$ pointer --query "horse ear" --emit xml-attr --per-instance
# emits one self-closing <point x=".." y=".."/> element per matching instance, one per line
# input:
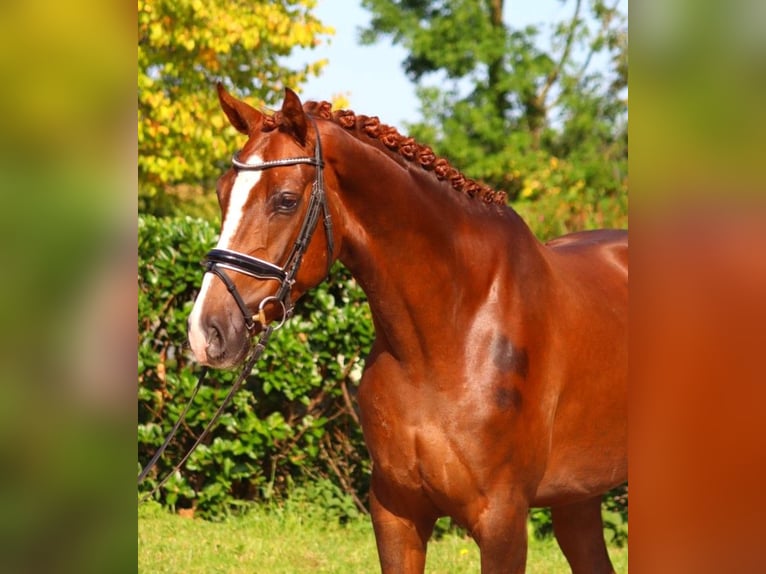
<point x="242" y="116"/>
<point x="293" y="116"/>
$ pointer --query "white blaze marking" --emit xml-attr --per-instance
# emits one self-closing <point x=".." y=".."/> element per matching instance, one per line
<point x="196" y="336"/>
<point x="240" y="192"/>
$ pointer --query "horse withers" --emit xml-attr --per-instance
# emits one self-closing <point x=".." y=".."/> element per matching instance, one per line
<point x="497" y="378"/>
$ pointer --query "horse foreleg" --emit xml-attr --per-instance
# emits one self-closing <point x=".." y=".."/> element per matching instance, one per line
<point x="579" y="531"/>
<point x="401" y="536"/>
<point x="501" y="533"/>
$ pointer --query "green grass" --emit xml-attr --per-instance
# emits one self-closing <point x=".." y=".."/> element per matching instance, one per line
<point x="282" y="541"/>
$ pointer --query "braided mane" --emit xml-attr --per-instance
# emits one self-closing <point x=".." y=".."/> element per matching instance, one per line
<point x="406" y="147"/>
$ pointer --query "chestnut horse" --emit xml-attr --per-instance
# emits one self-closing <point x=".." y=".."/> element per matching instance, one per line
<point x="497" y="379"/>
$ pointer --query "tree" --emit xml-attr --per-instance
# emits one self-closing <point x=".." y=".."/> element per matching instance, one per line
<point x="184" y="46"/>
<point x="542" y="124"/>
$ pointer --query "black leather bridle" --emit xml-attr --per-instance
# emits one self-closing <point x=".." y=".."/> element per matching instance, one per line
<point x="219" y="259"/>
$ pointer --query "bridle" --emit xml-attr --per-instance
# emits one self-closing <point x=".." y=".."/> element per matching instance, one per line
<point x="219" y="259"/>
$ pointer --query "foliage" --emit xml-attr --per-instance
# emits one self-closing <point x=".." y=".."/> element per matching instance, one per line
<point x="552" y="215"/>
<point x="292" y="421"/>
<point x="542" y="124"/>
<point x="184" y="46"/>
<point x="616" y="515"/>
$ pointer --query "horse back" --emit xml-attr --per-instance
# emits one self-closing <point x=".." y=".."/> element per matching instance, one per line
<point x="607" y="245"/>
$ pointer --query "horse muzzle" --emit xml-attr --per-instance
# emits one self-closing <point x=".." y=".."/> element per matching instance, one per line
<point x="218" y="340"/>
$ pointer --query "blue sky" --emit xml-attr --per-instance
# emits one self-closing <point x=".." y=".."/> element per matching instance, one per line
<point x="371" y="77"/>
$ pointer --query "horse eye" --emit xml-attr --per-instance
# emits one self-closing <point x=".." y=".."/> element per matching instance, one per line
<point x="286" y="202"/>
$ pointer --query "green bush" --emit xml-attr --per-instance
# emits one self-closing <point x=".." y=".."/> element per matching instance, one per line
<point x="291" y="429"/>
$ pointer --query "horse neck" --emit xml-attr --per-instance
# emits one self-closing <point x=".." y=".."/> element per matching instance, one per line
<point x="427" y="256"/>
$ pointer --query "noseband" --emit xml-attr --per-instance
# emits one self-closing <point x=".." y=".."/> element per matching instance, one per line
<point x="219" y="259"/>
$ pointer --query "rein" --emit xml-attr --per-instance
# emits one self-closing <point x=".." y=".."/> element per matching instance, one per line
<point x="247" y="368"/>
<point x="219" y="259"/>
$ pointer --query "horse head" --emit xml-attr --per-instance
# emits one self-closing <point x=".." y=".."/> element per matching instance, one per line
<point x="267" y="255"/>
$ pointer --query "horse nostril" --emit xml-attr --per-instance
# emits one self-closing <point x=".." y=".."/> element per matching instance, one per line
<point x="215" y="342"/>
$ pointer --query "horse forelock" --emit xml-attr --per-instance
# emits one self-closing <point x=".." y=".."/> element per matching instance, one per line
<point x="406" y="147"/>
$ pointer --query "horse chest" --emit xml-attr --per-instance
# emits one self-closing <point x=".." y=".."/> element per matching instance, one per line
<point x="425" y="459"/>
<point x="416" y="449"/>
